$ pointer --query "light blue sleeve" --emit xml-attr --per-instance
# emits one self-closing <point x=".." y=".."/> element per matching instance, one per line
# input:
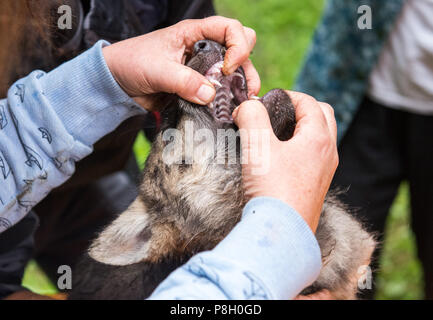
<point x="270" y="254"/>
<point x="48" y="122"/>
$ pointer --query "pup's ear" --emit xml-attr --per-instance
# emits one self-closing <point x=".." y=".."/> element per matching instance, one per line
<point x="126" y="240"/>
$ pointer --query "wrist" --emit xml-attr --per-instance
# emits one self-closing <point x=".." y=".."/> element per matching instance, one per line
<point x="107" y="53"/>
<point x="305" y="205"/>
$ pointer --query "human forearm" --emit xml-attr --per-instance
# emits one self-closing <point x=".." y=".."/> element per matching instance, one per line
<point x="270" y="254"/>
<point x="50" y="121"/>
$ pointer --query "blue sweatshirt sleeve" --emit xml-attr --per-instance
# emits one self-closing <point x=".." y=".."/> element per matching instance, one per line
<point x="51" y="120"/>
<point x="270" y="254"/>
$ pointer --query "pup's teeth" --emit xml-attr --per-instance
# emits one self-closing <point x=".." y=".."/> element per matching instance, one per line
<point x="219" y="65"/>
<point x="216" y="83"/>
<point x="215" y="69"/>
<point x="255" y="97"/>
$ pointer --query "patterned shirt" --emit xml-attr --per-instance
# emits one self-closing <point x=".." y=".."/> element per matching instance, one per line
<point x="337" y="67"/>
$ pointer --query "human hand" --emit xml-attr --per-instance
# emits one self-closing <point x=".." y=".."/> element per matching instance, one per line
<point x="153" y="63"/>
<point x="300" y="170"/>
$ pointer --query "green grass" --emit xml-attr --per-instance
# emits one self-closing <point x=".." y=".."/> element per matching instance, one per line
<point x="141" y="149"/>
<point x="36" y="280"/>
<point x="284" y="29"/>
<point x="401" y="275"/>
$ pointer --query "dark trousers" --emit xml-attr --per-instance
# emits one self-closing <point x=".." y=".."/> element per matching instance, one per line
<point x="382" y="147"/>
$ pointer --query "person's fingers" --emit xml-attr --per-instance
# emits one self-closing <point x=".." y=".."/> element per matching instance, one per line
<point x="238" y="51"/>
<point x="309" y="114"/>
<point x="238" y="39"/>
<point x="253" y="79"/>
<point x="305" y="106"/>
<point x="250" y="34"/>
<point x="253" y="121"/>
<point x="185" y="82"/>
<point x="328" y="111"/>
<point x="257" y="138"/>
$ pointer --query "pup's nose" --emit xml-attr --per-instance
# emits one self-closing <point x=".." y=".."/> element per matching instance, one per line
<point x="203" y="46"/>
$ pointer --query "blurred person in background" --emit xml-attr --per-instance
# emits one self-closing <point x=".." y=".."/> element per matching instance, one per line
<point x="380" y="82"/>
<point x="59" y="229"/>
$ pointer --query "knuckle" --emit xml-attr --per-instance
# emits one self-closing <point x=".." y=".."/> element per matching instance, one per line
<point x="303" y="98"/>
<point x="184" y="23"/>
<point x="323" y="141"/>
<point x="235" y="23"/>
<point x="328" y="108"/>
<point x="328" y="148"/>
<point x="251" y="35"/>
<point x="310" y="98"/>
<point x="215" y="18"/>
<point x="307" y="99"/>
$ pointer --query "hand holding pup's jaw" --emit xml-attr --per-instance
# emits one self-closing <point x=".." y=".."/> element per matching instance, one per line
<point x="153" y="63"/>
<point x="301" y="169"/>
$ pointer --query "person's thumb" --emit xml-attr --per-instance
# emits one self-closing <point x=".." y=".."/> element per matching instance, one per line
<point x="251" y="114"/>
<point x="256" y="135"/>
<point x="186" y="83"/>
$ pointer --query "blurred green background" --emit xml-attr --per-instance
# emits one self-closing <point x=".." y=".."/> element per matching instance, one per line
<point x="284" y="29"/>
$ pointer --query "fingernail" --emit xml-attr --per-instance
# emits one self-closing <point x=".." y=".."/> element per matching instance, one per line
<point x="235" y="112"/>
<point x="205" y="93"/>
<point x="226" y="68"/>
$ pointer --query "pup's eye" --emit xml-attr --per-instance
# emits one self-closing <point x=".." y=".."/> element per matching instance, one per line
<point x="223" y="51"/>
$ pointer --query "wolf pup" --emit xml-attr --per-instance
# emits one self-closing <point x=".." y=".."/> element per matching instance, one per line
<point x="191" y="196"/>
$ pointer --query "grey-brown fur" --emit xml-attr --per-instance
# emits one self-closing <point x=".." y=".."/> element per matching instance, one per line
<point x="190" y="205"/>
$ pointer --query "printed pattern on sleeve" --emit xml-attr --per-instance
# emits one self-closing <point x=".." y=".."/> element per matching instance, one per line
<point x="51" y="120"/>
